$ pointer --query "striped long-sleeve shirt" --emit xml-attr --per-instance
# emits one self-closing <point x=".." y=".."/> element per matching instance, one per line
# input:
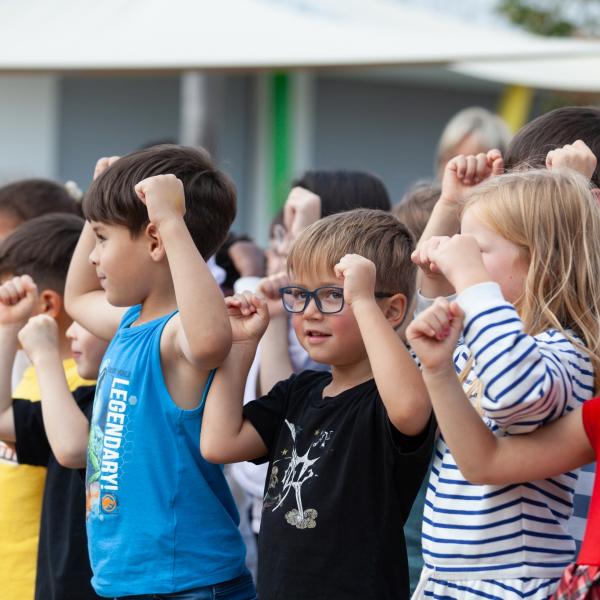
<point x="510" y="531"/>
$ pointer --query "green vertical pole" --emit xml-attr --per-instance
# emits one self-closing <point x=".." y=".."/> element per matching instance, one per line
<point x="281" y="140"/>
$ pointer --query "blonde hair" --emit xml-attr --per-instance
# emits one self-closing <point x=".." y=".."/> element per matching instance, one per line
<point x="555" y="220"/>
<point x="374" y="234"/>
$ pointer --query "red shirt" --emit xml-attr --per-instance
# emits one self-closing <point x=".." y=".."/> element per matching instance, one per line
<point x="590" y="549"/>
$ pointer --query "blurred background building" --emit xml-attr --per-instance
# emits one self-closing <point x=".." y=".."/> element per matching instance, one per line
<point x="271" y="87"/>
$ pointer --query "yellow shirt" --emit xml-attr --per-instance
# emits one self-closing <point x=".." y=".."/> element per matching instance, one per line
<point x="21" y="489"/>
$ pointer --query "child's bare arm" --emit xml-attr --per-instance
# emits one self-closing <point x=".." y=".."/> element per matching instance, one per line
<point x="226" y="436"/>
<point x="302" y="208"/>
<point x="202" y="330"/>
<point x="275" y="363"/>
<point x="67" y="428"/>
<point x="460" y="175"/>
<point x="18" y="298"/>
<point x="398" y="379"/>
<point x="482" y="457"/>
<point x="85" y="300"/>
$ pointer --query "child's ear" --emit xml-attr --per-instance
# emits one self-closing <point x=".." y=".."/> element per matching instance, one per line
<point x="156" y="247"/>
<point x="50" y="303"/>
<point x="394" y="309"/>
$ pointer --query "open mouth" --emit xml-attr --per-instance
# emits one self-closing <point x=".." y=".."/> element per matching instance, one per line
<point x="313" y="334"/>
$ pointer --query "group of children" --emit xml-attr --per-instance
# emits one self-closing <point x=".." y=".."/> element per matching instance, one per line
<point x="480" y="345"/>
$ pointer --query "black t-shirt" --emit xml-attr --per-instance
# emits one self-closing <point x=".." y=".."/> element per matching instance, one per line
<point x="63" y="565"/>
<point x="339" y="488"/>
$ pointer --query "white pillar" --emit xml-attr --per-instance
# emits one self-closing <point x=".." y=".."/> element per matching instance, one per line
<point x="200" y="109"/>
<point x="303" y="111"/>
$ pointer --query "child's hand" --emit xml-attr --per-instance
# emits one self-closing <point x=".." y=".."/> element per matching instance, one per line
<point x="434" y="333"/>
<point x="163" y="196"/>
<point x="422" y="255"/>
<point x="248" y="315"/>
<point x="463" y="172"/>
<point x="268" y="287"/>
<point x="576" y="156"/>
<point x="39" y="337"/>
<point x="302" y="208"/>
<point x="358" y="273"/>
<point x="247" y="258"/>
<point x="103" y="163"/>
<point x="18" y="298"/>
<point x="458" y="259"/>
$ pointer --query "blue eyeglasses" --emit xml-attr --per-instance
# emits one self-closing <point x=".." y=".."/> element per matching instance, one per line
<point x="328" y="299"/>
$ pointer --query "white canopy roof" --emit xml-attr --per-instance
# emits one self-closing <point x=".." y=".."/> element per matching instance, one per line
<point x="578" y="74"/>
<point x="173" y="35"/>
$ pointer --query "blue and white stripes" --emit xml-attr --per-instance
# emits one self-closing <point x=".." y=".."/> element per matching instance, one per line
<point x="477" y="532"/>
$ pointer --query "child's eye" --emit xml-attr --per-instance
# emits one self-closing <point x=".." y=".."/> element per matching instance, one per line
<point x="298" y="294"/>
<point x="334" y="295"/>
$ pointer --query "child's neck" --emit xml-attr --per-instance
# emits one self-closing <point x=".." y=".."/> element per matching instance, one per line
<point x="159" y="302"/>
<point x="345" y="377"/>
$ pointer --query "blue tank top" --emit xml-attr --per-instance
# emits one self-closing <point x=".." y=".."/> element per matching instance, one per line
<point x="160" y="518"/>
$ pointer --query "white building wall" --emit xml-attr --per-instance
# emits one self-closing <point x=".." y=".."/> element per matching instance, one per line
<point x="29" y="108"/>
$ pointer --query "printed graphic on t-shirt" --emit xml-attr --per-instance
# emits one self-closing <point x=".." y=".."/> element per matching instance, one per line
<point x="291" y="471"/>
<point x="7" y="455"/>
<point x="108" y="443"/>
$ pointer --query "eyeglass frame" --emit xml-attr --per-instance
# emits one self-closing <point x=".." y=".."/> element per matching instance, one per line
<point x="312" y="295"/>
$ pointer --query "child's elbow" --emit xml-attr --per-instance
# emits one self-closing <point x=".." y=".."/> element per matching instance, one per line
<point x="411" y="422"/>
<point x="71" y="458"/>
<point x="475" y="476"/>
<point x="211" y="451"/>
<point x="213" y="352"/>
<point x="482" y="472"/>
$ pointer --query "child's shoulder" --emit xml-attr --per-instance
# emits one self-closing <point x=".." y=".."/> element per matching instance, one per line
<point x="566" y="344"/>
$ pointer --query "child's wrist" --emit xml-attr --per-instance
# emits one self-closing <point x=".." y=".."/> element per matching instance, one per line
<point x="45" y="356"/>
<point x="449" y="202"/>
<point x="441" y="372"/>
<point x="11" y="330"/>
<point x="363" y="303"/>
<point x="467" y="279"/>
<point x="172" y="223"/>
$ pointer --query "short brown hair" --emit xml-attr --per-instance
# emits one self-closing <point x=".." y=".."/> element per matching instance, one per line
<point x="42" y="248"/>
<point x="30" y="198"/>
<point x="416" y="205"/>
<point x="374" y="234"/>
<point x="210" y="197"/>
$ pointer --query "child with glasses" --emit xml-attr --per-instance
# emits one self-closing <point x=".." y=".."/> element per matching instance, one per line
<point x="347" y="449"/>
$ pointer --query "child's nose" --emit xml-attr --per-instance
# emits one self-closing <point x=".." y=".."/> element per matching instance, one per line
<point x="93" y="258"/>
<point x="311" y="311"/>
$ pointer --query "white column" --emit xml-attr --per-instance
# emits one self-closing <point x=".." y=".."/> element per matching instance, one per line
<point x="200" y="109"/>
<point x="303" y="126"/>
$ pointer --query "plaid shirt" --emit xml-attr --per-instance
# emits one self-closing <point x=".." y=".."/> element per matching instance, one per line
<point x="579" y="582"/>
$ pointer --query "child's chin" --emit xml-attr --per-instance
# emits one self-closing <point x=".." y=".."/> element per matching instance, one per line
<point x="84" y="372"/>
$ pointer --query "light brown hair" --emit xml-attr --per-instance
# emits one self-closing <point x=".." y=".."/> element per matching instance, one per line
<point x="374" y="234"/>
